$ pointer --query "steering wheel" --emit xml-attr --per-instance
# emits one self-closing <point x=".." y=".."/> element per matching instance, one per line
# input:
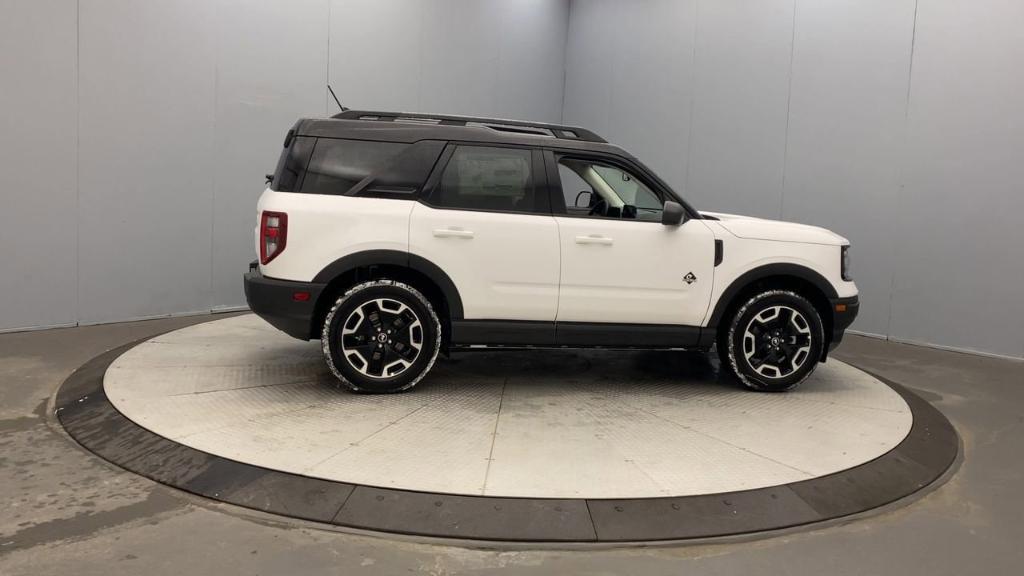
<point x="600" y="208"/>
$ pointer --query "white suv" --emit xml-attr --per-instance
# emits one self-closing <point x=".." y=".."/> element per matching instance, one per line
<point x="393" y="237"/>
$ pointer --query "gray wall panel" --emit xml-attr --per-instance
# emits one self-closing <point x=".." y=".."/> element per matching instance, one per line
<point x="531" y="52"/>
<point x="450" y="56"/>
<point x="453" y="78"/>
<point x="926" y="188"/>
<point x="851" y="61"/>
<point x="588" y="65"/>
<point x="254" y="110"/>
<point x="146" y="157"/>
<point x="960" y="280"/>
<point x="181" y="110"/>
<point x="38" y="133"/>
<point x="741" y="86"/>
<point x="630" y="75"/>
<point x="153" y="167"/>
<point x="374" y="66"/>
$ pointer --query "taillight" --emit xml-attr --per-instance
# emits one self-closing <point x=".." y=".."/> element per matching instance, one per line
<point x="273" y="235"/>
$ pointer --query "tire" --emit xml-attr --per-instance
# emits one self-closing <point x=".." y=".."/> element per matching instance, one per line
<point x="773" y="341"/>
<point x="381" y="337"/>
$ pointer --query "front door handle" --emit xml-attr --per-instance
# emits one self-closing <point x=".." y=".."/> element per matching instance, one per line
<point x="594" y="239"/>
<point x="452" y="233"/>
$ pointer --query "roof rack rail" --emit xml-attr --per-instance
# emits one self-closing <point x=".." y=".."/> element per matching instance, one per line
<point x="518" y="126"/>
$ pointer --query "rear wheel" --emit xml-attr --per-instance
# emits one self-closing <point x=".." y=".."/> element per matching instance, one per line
<point x="773" y="341"/>
<point x="381" y="336"/>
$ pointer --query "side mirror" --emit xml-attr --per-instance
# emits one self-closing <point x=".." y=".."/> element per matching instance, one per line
<point x="672" y="214"/>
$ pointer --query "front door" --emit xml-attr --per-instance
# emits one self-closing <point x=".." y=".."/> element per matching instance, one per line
<point x="620" y="264"/>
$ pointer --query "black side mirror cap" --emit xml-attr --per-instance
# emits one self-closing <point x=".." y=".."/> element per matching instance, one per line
<point x="673" y="213"/>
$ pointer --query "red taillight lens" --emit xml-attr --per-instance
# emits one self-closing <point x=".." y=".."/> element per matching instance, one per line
<point x="273" y="235"/>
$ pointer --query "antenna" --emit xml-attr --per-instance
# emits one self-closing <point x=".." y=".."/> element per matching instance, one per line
<point x="338" y="102"/>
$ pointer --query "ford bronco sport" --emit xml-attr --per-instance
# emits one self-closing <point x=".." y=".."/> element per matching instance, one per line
<point x="392" y="237"/>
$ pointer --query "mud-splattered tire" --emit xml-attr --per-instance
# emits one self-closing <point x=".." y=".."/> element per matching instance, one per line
<point x="381" y="336"/>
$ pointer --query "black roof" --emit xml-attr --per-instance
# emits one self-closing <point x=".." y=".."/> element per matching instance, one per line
<point x="411" y="127"/>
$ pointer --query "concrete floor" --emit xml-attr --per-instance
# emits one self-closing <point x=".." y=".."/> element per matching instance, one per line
<point x="66" y="511"/>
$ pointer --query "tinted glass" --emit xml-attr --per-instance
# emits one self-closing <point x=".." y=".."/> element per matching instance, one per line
<point x="292" y="164"/>
<point x="487" y="178"/>
<point x="403" y="178"/>
<point x="575" y="189"/>
<point x="338" y="165"/>
<point x="599" y="190"/>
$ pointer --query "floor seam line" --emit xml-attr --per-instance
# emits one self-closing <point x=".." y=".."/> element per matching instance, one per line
<point x="309" y="469"/>
<point x="251" y="419"/>
<point x="494" y="437"/>
<point x="626" y="456"/>
<point x="586" y="502"/>
<point x="723" y="441"/>
<point x="334" y="518"/>
<point x="313" y="381"/>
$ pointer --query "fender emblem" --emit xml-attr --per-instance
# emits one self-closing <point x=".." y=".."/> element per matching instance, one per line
<point x="689" y="278"/>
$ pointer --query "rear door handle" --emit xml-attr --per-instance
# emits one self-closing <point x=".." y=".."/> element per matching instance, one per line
<point x="452" y="233"/>
<point x="594" y="239"/>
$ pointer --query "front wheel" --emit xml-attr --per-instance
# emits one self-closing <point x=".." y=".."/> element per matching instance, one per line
<point x="381" y="336"/>
<point x="773" y="341"/>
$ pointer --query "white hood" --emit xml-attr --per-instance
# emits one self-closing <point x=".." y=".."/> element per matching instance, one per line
<point x="762" y="229"/>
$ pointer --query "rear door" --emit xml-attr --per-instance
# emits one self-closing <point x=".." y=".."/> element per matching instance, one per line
<point x="485" y="220"/>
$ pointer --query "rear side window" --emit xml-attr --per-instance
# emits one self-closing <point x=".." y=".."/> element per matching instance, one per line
<point x="337" y="165"/>
<point x="488" y="178"/>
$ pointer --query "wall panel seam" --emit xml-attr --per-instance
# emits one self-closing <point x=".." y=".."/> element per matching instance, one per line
<point x="693" y="96"/>
<point x="78" y="159"/>
<point x="789" y="100"/>
<point x="901" y="185"/>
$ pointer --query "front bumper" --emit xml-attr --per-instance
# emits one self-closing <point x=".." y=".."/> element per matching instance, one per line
<point x="844" y="312"/>
<point x="281" y="302"/>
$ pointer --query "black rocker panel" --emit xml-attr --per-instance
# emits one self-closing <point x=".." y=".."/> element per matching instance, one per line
<point x="580" y="334"/>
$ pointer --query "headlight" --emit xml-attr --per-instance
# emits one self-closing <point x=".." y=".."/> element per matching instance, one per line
<point x="844" y="265"/>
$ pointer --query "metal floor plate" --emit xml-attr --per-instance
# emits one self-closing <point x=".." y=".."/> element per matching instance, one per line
<point x="540" y="424"/>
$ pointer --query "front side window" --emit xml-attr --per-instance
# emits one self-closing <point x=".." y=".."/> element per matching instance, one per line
<point x="337" y="165"/>
<point x="600" y="190"/>
<point x="488" y="178"/>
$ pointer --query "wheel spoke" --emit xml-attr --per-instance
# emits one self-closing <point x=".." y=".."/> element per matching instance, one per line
<point x="777" y="341"/>
<point x="381" y="338"/>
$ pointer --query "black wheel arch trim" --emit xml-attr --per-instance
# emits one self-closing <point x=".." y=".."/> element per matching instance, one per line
<point x="768" y="271"/>
<point x="408" y="260"/>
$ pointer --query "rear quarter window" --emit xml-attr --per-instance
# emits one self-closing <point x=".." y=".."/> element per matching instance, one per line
<point x="291" y="166"/>
<point x="338" y="165"/>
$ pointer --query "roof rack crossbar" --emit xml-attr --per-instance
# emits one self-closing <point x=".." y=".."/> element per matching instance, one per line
<point x="556" y="130"/>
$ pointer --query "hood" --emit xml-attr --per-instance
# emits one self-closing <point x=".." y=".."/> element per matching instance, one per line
<point x="761" y="229"/>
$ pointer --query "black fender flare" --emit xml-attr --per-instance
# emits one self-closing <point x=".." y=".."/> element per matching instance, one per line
<point x="767" y="271"/>
<point x="396" y="258"/>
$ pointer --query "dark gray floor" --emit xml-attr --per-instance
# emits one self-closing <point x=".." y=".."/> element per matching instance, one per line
<point x="66" y="511"/>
